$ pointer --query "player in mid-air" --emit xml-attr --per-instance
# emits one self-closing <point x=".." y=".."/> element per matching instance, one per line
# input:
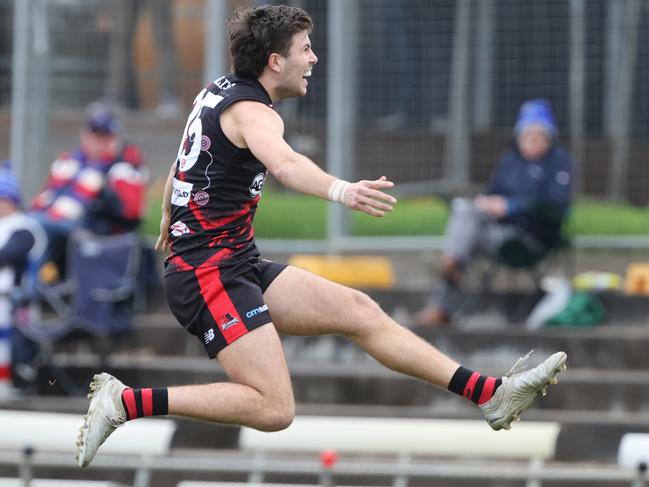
<point x="220" y="289"/>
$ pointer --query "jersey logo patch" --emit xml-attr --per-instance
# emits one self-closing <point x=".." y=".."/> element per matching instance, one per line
<point x="181" y="192"/>
<point x="178" y="229"/>
<point x="201" y="198"/>
<point x="206" y="142"/>
<point x="227" y="320"/>
<point x="257" y="184"/>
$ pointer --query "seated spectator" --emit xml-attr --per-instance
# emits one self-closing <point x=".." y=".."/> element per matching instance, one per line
<point x="21" y="240"/>
<point x="526" y="199"/>
<point x="21" y="237"/>
<point x="98" y="186"/>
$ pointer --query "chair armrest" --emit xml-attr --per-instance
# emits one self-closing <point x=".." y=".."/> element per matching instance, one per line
<point x="115" y="295"/>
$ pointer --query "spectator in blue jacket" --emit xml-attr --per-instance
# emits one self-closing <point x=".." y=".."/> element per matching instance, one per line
<point x="527" y="199"/>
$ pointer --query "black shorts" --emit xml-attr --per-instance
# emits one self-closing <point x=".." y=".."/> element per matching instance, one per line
<point x="220" y="304"/>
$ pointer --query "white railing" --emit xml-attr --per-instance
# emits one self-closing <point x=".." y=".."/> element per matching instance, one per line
<point x="400" y="470"/>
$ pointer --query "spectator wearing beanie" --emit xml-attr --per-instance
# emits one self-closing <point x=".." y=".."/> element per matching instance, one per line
<point x="21" y="240"/>
<point x="526" y="199"/>
<point x="20" y="236"/>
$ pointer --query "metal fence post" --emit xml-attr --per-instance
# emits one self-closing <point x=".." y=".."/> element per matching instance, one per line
<point x="621" y="129"/>
<point x="641" y="479"/>
<point x="39" y="83"/>
<point x="458" y="137"/>
<point x="215" y="39"/>
<point x="256" y="475"/>
<point x="25" y="468"/>
<point x="143" y="473"/>
<point x="576" y="86"/>
<point x="484" y="64"/>
<point x="19" y="86"/>
<point x="403" y="464"/>
<point x="341" y="104"/>
<point x="535" y="469"/>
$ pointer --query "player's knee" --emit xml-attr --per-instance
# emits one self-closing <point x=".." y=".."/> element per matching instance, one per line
<point x="278" y="417"/>
<point x="367" y="313"/>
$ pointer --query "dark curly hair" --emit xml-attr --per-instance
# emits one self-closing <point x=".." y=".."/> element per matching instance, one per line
<point x="256" y="33"/>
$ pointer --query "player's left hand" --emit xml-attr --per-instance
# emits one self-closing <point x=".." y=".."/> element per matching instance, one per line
<point x="368" y="197"/>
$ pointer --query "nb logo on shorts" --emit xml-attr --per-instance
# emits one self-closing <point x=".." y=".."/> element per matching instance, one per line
<point x="208" y="336"/>
<point x="227" y="320"/>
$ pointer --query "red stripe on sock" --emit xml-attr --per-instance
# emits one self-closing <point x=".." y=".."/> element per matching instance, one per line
<point x="487" y="390"/>
<point x="129" y="399"/>
<point x="147" y="402"/>
<point x="470" y="385"/>
<point x="5" y="372"/>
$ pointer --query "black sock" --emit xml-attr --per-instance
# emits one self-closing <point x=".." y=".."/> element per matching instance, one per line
<point x="475" y="387"/>
<point x="139" y="403"/>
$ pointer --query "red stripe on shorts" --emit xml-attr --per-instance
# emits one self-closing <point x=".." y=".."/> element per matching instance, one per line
<point x="219" y="303"/>
<point x="5" y="372"/>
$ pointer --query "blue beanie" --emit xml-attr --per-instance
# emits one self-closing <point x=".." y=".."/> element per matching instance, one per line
<point x="9" y="186"/>
<point x="536" y="112"/>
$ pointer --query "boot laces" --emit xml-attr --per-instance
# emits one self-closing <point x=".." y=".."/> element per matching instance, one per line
<point x="519" y="366"/>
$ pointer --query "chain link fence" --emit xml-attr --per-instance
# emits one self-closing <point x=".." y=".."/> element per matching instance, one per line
<point x="427" y="92"/>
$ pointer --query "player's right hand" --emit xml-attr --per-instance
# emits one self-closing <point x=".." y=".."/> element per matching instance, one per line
<point x="162" y="243"/>
<point x="368" y="197"/>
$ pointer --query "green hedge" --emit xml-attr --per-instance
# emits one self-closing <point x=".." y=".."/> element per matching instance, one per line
<point x="291" y="215"/>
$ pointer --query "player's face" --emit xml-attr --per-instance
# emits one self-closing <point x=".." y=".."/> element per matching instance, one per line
<point x="297" y="66"/>
<point x="533" y="143"/>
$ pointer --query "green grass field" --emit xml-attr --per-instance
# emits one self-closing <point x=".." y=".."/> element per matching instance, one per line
<point x="291" y="215"/>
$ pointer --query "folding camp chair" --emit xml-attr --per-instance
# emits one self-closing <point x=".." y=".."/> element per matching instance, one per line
<point x="515" y="256"/>
<point x="94" y="303"/>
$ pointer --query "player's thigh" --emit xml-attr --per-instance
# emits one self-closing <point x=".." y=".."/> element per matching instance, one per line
<point x="227" y="314"/>
<point x="257" y="360"/>
<point x="302" y="303"/>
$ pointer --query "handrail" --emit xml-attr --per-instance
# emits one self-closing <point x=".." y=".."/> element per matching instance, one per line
<point x="427" y="243"/>
<point x="259" y="464"/>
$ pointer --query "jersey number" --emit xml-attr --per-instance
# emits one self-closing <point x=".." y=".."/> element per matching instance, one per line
<point x="190" y="146"/>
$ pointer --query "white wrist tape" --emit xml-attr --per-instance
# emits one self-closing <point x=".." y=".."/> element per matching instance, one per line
<point x="337" y="190"/>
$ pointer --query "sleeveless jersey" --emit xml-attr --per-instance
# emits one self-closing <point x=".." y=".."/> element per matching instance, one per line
<point x="216" y="185"/>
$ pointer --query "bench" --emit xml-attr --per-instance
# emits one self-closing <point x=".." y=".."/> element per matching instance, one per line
<point x="634" y="450"/>
<point x="434" y="437"/>
<point x="199" y="483"/>
<point x="402" y="437"/>
<point x="8" y="482"/>
<point x="54" y="432"/>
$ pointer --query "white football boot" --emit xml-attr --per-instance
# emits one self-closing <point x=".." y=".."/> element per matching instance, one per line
<point x="519" y="389"/>
<point x="105" y="414"/>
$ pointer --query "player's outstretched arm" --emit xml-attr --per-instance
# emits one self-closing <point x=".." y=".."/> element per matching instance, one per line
<point x="261" y="129"/>
<point x="161" y="243"/>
